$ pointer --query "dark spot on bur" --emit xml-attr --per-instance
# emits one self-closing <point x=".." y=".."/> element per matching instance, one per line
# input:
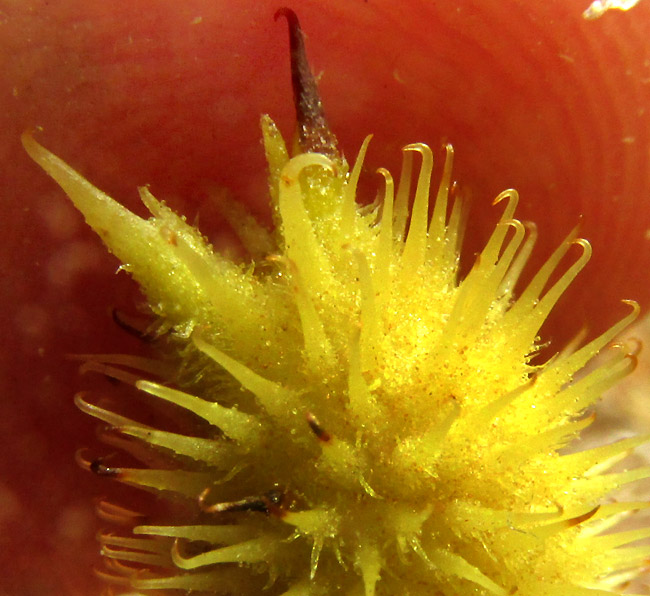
<point x="270" y="503"/>
<point x="251" y="505"/>
<point x="274" y="500"/>
<point x="98" y="467"/>
<point x="317" y="429"/>
<point x="314" y="134"/>
<point x="120" y="319"/>
<point x="582" y="518"/>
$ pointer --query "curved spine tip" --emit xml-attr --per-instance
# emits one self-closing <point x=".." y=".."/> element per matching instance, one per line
<point x="510" y="194"/>
<point x="636" y="308"/>
<point x="421" y="148"/>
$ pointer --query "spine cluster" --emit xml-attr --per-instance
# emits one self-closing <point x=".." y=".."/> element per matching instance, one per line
<point x="345" y="414"/>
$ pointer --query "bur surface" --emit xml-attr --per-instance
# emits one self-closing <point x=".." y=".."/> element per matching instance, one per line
<point x="363" y="421"/>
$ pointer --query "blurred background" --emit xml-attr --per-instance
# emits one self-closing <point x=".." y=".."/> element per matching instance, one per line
<point x="531" y="94"/>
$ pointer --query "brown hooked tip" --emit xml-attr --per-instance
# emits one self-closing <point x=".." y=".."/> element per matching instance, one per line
<point x="314" y="134"/>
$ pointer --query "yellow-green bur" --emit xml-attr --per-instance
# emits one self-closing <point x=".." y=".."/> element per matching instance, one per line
<point x="348" y="367"/>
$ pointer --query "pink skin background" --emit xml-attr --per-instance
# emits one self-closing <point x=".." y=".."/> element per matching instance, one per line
<point x="531" y="95"/>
